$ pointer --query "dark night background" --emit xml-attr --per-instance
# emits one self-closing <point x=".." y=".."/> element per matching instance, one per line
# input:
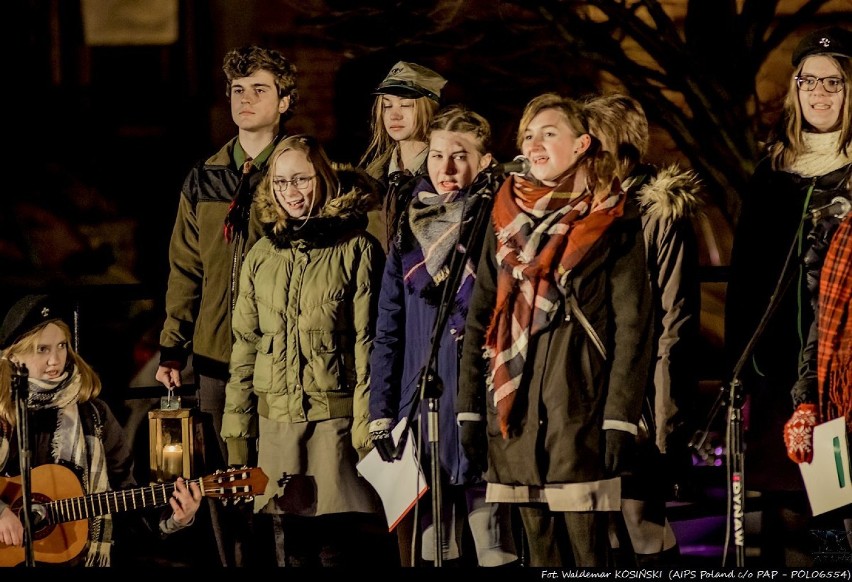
<point x="108" y="129"/>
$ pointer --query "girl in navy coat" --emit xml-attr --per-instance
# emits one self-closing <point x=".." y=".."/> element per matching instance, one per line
<point x="436" y="219"/>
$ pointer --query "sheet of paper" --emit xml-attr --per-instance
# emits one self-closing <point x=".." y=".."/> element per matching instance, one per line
<point x="826" y="478"/>
<point x="400" y="483"/>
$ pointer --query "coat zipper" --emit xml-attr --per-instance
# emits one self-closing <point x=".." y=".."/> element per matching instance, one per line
<point x="236" y="263"/>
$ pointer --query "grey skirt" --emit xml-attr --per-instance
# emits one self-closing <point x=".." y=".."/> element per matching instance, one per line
<point x="311" y="469"/>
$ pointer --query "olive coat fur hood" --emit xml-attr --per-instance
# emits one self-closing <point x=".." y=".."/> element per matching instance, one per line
<point x="304" y="318"/>
<point x="338" y="216"/>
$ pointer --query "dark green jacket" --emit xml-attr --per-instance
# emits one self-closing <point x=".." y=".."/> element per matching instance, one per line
<point x="203" y="267"/>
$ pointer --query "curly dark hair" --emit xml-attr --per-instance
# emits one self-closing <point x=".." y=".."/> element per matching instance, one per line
<point x="244" y="61"/>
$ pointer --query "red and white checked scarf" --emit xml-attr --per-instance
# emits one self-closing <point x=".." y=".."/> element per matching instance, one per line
<point x="834" y="347"/>
<point x="542" y="233"/>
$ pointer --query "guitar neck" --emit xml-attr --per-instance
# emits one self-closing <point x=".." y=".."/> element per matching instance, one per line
<point x="96" y="504"/>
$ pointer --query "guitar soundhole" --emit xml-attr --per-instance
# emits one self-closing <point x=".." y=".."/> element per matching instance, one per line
<point x="40" y="520"/>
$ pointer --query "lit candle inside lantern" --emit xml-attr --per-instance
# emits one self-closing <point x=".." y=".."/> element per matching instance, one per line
<point x="172" y="461"/>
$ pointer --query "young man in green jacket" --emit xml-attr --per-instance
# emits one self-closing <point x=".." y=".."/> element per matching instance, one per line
<point x="214" y="229"/>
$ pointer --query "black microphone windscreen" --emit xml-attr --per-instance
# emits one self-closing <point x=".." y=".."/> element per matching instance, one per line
<point x="520" y="165"/>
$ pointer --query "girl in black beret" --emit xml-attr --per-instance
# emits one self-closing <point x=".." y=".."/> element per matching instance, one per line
<point x="781" y="239"/>
<point x="69" y="425"/>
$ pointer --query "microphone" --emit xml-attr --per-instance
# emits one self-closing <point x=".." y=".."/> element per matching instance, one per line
<point x="519" y="165"/>
<point x="20" y="379"/>
<point x="839" y="208"/>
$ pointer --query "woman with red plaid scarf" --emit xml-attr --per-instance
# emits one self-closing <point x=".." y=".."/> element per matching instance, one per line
<point x="557" y="349"/>
<point x="782" y="236"/>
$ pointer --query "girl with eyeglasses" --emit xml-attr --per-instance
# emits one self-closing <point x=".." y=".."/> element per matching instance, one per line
<point x="303" y="328"/>
<point x="780" y="243"/>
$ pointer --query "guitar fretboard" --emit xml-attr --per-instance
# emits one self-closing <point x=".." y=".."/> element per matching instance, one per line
<point x="75" y="508"/>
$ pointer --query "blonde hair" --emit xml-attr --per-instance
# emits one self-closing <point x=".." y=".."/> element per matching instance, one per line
<point x="326" y="182"/>
<point x="787" y="144"/>
<point x="599" y="164"/>
<point x="90" y="385"/>
<point x="459" y="118"/>
<point x="381" y="146"/>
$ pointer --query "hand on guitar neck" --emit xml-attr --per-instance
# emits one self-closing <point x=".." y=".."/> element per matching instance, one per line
<point x="184" y="501"/>
<point x="61" y="512"/>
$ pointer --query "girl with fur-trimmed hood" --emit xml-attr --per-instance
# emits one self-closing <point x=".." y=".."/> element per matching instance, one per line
<point x="668" y="198"/>
<point x="303" y="329"/>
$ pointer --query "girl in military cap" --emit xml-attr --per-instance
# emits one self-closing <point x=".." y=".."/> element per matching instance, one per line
<point x="405" y="102"/>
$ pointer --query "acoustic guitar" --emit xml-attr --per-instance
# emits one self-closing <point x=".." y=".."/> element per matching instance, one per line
<point x="60" y="512"/>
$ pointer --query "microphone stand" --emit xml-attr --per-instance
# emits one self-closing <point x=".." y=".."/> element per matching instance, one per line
<point x="431" y="387"/>
<point x="732" y="397"/>
<point x="20" y="385"/>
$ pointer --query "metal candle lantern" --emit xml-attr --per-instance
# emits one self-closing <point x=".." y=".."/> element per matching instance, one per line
<point x="175" y="441"/>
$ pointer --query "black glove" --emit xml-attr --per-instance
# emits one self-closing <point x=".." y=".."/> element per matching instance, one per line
<point x="618" y="450"/>
<point x="474" y="442"/>
<point x="383" y="441"/>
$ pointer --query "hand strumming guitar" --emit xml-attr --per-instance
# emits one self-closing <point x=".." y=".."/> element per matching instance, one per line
<point x="11" y="528"/>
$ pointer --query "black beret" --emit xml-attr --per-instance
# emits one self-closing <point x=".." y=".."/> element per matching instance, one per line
<point x="833" y="40"/>
<point x="29" y="312"/>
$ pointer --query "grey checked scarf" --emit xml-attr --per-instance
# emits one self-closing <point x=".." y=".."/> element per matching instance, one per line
<point x="71" y="445"/>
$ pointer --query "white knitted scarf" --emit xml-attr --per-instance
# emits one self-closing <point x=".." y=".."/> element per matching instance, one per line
<point x="820" y="156"/>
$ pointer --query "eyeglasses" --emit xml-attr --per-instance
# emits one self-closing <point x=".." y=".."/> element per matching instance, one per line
<point x="280" y="185"/>
<point x="830" y="84"/>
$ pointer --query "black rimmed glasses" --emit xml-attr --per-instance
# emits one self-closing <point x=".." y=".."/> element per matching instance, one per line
<point x="809" y="83"/>
<point x="280" y="185"/>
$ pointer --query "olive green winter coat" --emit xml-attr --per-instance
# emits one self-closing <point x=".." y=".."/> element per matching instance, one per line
<point x="304" y="320"/>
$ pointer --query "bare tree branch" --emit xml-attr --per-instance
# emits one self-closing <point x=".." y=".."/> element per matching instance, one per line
<point x="695" y="78"/>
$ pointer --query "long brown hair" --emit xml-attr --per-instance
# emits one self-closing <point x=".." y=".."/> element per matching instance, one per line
<point x="380" y="149"/>
<point x="619" y="122"/>
<point x="787" y="144"/>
